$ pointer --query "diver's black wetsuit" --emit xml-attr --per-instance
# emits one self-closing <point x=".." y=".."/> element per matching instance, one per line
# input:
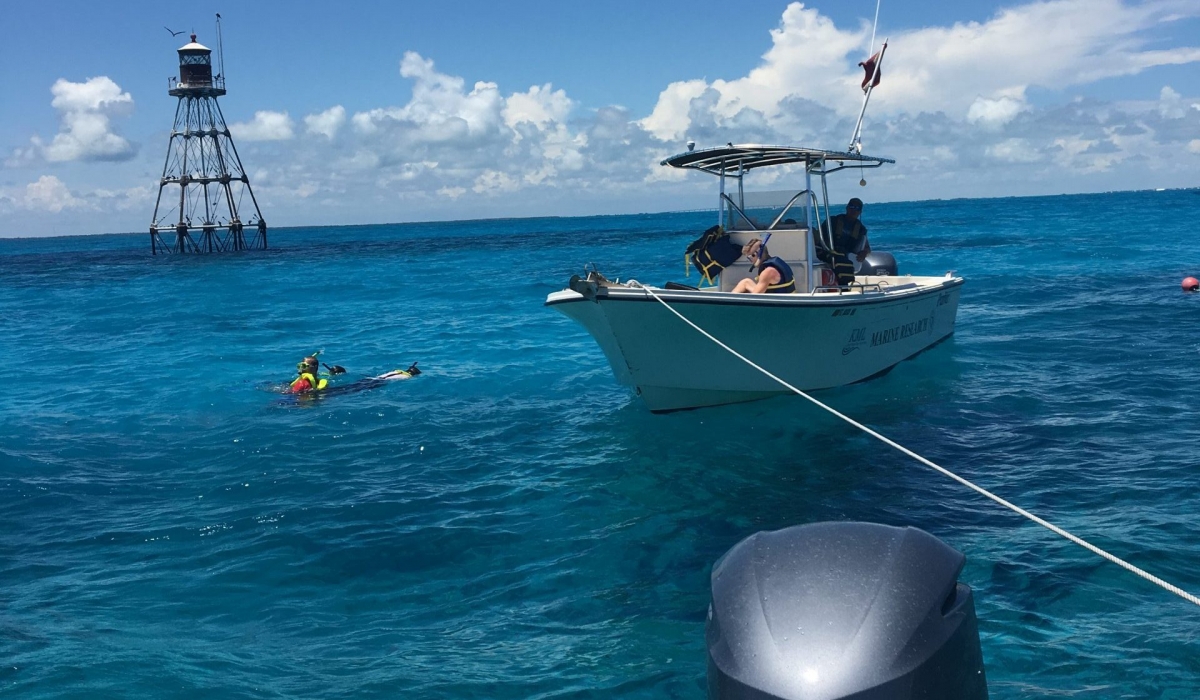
<point x="362" y="384"/>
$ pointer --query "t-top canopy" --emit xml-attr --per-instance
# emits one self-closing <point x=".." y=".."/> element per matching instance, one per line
<point x="750" y="156"/>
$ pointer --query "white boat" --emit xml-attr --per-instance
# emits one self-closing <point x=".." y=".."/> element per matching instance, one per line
<point x="820" y="336"/>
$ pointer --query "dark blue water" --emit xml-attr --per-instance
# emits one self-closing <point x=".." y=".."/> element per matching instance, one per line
<point x="512" y="524"/>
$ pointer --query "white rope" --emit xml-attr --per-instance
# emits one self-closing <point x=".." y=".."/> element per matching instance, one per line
<point x="978" y="489"/>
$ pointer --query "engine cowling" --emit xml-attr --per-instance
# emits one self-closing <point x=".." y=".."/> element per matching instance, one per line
<point x="879" y="263"/>
<point x="833" y="611"/>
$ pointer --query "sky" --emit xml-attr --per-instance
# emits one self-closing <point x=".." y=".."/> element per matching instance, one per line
<point x="385" y="112"/>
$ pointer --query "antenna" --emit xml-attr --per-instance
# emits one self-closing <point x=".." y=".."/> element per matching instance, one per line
<point x="221" y="46"/>
<point x="873" y="27"/>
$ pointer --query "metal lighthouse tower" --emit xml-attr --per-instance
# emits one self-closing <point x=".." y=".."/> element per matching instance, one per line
<point x="211" y="212"/>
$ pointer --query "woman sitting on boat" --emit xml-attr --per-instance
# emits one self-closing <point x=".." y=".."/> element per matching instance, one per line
<point x="774" y="275"/>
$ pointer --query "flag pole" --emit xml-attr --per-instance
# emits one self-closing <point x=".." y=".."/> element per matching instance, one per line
<point x="874" y="26"/>
<point x="220" y="46"/>
<point x="855" y="144"/>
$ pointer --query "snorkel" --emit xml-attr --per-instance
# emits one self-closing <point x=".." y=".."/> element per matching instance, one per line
<point x="308" y="364"/>
<point x="315" y="364"/>
<point x="761" y="254"/>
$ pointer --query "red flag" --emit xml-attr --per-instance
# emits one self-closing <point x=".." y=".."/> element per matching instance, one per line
<point x="873" y="69"/>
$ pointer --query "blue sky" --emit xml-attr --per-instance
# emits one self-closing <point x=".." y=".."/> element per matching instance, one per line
<point x="386" y="112"/>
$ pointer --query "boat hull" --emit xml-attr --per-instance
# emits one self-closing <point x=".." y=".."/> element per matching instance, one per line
<point x="815" y="341"/>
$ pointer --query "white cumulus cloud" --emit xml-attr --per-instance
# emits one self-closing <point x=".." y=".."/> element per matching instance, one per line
<point x="50" y="195"/>
<point x="47" y="194"/>
<point x="326" y="123"/>
<point x="540" y="106"/>
<point x="483" y="140"/>
<point x="670" y="117"/>
<point x="1170" y="104"/>
<point x="265" y="126"/>
<point x="1053" y="45"/>
<point x="978" y="71"/>
<point x="440" y="110"/>
<point x="85" y="110"/>
<point x="997" y="112"/>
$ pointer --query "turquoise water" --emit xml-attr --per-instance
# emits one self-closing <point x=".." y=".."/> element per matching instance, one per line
<point x="512" y="523"/>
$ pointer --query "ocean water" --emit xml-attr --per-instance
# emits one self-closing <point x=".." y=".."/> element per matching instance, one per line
<point x="512" y="523"/>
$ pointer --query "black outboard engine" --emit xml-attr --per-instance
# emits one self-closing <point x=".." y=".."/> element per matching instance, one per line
<point x="842" y="611"/>
<point x="877" y="263"/>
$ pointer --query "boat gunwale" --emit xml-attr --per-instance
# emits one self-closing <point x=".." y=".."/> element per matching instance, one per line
<point x="690" y="296"/>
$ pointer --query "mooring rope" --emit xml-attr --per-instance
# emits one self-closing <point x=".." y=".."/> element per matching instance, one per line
<point x="946" y="472"/>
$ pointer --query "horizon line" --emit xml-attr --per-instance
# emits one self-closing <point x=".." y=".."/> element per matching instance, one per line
<point x="588" y="216"/>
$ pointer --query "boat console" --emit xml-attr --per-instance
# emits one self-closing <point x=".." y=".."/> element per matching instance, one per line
<point x="792" y="245"/>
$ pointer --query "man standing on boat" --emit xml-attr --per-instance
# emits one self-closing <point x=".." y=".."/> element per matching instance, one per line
<point x="849" y="237"/>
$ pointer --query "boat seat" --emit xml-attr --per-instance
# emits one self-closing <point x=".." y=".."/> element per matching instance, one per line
<point x="789" y="244"/>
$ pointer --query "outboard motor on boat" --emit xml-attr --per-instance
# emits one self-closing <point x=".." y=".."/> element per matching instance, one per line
<point x="877" y="263"/>
<point x="842" y="610"/>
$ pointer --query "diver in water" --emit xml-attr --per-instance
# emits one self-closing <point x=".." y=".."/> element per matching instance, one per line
<point x="310" y="382"/>
<point x="409" y="373"/>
